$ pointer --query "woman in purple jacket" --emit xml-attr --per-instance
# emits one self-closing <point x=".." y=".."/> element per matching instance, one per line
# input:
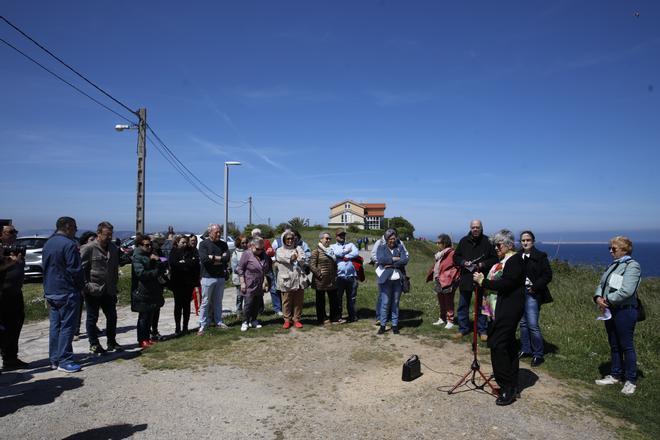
<point x="252" y="269"/>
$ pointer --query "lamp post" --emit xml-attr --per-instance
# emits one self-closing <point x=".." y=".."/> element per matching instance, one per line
<point x="224" y="229"/>
<point x="141" y="166"/>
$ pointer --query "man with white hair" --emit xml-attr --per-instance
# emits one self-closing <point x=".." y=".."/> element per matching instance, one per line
<point x="214" y="257"/>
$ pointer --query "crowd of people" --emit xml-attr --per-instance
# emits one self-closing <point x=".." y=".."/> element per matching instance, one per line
<point x="510" y="287"/>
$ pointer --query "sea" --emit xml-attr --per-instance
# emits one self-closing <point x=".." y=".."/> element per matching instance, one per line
<point x="598" y="255"/>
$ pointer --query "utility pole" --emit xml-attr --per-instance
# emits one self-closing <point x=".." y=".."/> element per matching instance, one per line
<point x="250" y="210"/>
<point x="141" y="169"/>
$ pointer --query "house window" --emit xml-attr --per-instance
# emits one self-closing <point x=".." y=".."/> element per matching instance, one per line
<point x="347" y="206"/>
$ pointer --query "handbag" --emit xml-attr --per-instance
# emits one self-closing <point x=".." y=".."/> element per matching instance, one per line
<point x="412" y="369"/>
<point x="405" y="281"/>
<point x="641" y="311"/>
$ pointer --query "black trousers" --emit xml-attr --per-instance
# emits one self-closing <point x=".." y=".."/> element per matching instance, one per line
<point x="143" y="324"/>
<point x="502" y="342"/>
<point x="182" y="298"/>
<point x="155" y="316"/>
<point x="12" y="316"/>
<point x="108" y="304"/>
<point x="335" y="305"/>
<point x="252" y="304"/>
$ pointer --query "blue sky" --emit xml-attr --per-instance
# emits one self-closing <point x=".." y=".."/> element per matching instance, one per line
<point x="528" y="114"/>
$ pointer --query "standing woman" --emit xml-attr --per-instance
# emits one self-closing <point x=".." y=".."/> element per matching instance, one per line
<point x="538" y="275"/>
<point x="392" y="259"/>
<point x="183" y="270"/>
<point x="323" y="265"/>
<point x="445" y="275"/>
<point x="242" y="245"/>
<point x="197" y="289"/>
<point x="510" y="288"/>
<point x="146" y="287"/>
<point x="291" y="280"/>
<point x="252" y="270"/>
<point x="617" y="291"/>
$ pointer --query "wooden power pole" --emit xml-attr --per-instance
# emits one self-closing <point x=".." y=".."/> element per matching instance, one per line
<point x="141" y="169"/>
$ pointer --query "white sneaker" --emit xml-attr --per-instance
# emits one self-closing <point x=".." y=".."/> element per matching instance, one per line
<point x="244" y="327"/>
<point x="608" y="380"/>
<point x="222" y="326"/>
<point x="629" y="388"/>
<point x="255" y="324"/>
<point x="439" y="322"/>
<point x="280" y="314"/>
<point x="449" y="325"/>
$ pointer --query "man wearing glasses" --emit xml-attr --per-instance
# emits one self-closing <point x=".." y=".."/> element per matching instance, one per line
<point x="63" y="283"/>
<point x="12" y="308"/>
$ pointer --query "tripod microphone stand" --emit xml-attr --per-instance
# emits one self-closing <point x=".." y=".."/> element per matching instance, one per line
<point x="475" y="367"/>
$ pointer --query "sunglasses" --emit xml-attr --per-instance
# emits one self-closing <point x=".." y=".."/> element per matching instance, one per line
<point x="146" y="244"/>
<point x="258" y="249"/>
<point x="12" y="232"/>
<point x="613" y="249"/>
<point x="524" y="240"/>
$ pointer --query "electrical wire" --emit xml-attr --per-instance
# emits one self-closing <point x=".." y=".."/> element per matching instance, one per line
<point x="181" y="172"/>
<point x="163" y="149"/>
<point x="176" y="159"/>
<point x="68" y="67"/>
<point x="65" y="81"/>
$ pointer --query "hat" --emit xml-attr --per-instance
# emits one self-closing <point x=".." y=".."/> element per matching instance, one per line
<point x="340" y="232"/>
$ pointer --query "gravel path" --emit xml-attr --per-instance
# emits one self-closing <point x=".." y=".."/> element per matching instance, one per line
<point x="321" y="383"/>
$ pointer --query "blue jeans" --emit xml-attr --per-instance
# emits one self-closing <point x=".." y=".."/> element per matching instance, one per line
<point x="531" y="340"/>
<point x="390" y="293"/>
<point x="63" y="324"/>
<point x="349" y="286"/>
<point x="620" y="333"/>
<point x="275" y="296"/>
<point x="213" y="290"/>
<point x="464" y="300"/>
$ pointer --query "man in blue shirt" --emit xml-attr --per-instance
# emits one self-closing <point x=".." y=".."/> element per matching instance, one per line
<point x="63" y="283"/>
<point x="346" y="275"/>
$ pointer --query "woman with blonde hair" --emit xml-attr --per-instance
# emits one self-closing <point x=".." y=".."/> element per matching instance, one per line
<point x="617" y="291"/>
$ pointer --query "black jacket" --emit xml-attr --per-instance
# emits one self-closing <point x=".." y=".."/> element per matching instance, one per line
<point x="184" y="268"/>
<point x="470" y="249"/>
<point x="510" y="293"/>
<point x="537" y="269"/>
<point x="146" y="289"/>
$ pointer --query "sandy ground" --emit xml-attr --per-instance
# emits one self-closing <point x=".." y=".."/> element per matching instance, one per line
<point x="327" y="382"/>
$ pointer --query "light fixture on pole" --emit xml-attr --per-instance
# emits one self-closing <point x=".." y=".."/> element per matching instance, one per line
<point x="141" y="165"/>
<point x="224" y="229"/>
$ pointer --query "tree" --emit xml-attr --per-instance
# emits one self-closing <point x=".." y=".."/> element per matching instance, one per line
<point x="232" y="230"/>
<point x="298" y="223"/>
<point x="281" y="227"/>
<point x="266" y="231"/>
<point x="402" y="226"/>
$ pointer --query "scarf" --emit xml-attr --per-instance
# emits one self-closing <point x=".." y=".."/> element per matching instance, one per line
<point x="438" y="259"/>
<point x="328" y="251"/>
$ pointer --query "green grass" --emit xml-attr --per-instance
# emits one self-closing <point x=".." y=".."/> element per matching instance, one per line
<point x="577" y="343"/>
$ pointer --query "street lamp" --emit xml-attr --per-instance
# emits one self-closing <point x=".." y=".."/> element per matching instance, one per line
<point x="141" y="127"/>
<point x="227" y="165"/>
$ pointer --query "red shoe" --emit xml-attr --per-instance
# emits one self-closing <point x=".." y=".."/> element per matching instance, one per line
<point x="298" y="324"/>
<point x="145" y="344"/>
<point x="286" y="325"/>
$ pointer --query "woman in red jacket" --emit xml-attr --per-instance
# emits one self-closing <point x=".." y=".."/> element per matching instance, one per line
<point x="445" y="277"/>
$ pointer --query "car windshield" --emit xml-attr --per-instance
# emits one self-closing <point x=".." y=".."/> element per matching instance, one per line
<point x="31" y="243"/>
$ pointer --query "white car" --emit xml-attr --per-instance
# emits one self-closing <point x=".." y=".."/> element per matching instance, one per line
<point x="34" y="246"/>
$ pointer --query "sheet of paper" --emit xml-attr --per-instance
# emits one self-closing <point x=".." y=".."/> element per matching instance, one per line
<point x="605" y="316"/>
<point x="616" y="281"/>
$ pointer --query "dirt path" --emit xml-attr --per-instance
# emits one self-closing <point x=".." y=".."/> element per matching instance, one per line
<point x="323" y="383"/>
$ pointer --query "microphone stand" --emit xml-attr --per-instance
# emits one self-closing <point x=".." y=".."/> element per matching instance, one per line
<point x="475" y="367"/>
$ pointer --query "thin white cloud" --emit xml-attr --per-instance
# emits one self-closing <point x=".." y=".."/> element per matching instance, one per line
<point x="386" y="98"/>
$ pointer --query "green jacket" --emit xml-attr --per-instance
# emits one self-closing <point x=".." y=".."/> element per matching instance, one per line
<point x="146" y="291"/>
<point x="625" y="293"/>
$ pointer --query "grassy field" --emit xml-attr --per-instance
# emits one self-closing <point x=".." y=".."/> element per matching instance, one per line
<point x="576" y="344"/>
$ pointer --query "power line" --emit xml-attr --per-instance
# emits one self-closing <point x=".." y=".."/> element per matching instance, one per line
<point x="65" y="81"/>
<point x="176" y="159"/>
<point x="69" y="67"/>
<point x="181" y="172"/>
